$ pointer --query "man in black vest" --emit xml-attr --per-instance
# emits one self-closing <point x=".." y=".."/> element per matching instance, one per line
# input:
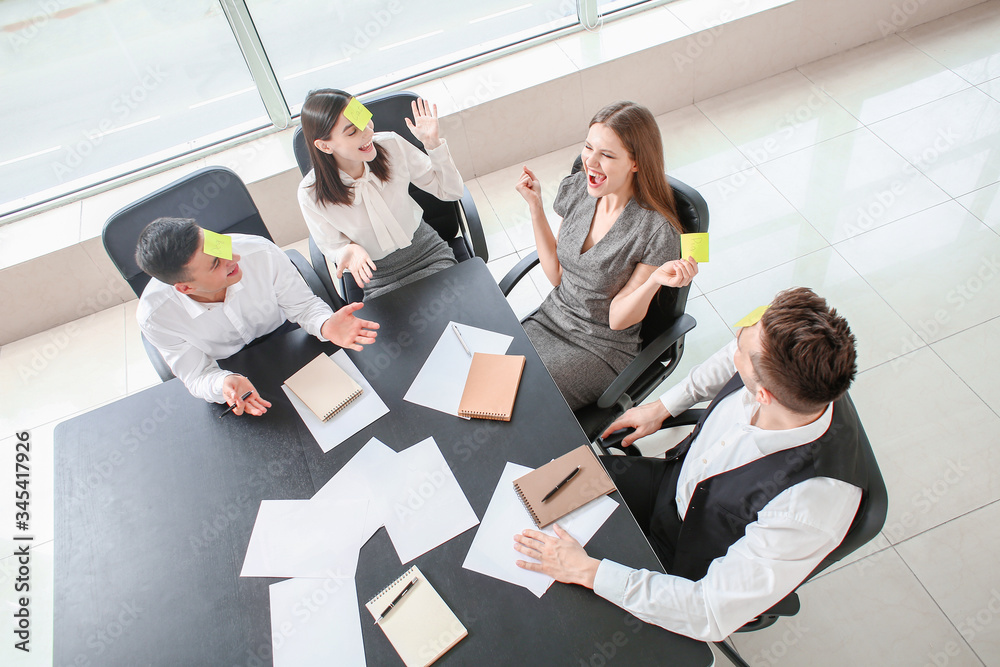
<point x="764" y="488"/>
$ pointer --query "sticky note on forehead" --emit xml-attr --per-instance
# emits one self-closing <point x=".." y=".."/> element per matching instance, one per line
<point x="218" y="245"/>
<point x="695" y="245"/>
<point x="357" y="113"/>
<point x="753" y="318"/>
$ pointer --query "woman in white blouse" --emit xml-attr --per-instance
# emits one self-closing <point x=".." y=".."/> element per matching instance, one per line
<point x="356" y="201"/>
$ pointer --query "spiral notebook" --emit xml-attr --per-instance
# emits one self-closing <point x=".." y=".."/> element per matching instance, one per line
<point x="323" y="386"/>
<point x="420" y="625"/>
<point x="491" y="387"/>
<point x="590" y="483"/>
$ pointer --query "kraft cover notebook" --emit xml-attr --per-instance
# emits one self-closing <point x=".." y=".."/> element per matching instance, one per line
<point x="491" y="386"/>
<point x="419" y="625"/>
<point x="323" y="386"/>
<point x="589" y="483"/>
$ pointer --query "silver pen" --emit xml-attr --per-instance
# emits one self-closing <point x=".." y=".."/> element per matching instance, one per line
<point x="454" y="327"/>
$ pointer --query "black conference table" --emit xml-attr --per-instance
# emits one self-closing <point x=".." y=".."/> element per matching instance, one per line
<point x="156" y="497"/>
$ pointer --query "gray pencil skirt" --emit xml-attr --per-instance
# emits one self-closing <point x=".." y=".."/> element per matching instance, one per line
<point x="426" y="254"/>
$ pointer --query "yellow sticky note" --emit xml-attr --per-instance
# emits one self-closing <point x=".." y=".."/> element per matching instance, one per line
<point x="753" y="318"/>
<point x="695" y="245"/>
<point x="218" y="245"/>
<point x="357" y="113"/>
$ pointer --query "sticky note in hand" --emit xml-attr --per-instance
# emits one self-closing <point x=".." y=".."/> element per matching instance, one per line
<point x="695" y="245"/>
<point x="752" y="318"/>
<point x="357" y="113"/>
<point x="218" y="245"/>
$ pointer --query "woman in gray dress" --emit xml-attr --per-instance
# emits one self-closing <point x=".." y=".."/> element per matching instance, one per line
<point x="619" y="242"/>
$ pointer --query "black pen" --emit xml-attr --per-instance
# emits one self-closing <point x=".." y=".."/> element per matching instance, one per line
<point x="560" y="484"/>
<point x="396" y="600"/>
<point x="242" y="398"/>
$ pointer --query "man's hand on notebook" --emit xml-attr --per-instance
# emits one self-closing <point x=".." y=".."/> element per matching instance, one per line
<point x="561" y="557"/>
<point x="235" y="386"/>
<point x="348" y="331"/>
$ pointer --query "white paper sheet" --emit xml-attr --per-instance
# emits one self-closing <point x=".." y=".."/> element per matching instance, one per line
<point x="362" y="478"/>
<point x="492" y="552"/>
<point x="358" y="414"/>
<point x="426" y="505"/>
<point x="306" y="538"/>
<point x="441" y="380"/>
<point x="316" y="623"/>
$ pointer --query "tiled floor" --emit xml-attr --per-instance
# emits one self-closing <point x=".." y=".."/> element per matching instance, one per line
<point x="872" y="176"/>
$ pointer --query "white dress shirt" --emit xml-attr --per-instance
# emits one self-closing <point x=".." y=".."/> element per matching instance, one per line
<point x="383" y="216"/>
<point x="192" y="335"/>
<point x="792" y="534"/>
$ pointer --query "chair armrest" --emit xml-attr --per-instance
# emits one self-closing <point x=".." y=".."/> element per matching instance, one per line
<point x="644" y="359"/>
<point x="687" y="418"/>
<point x="305" y="270"/>
<point x="519" y="271"/>
<point x="474" y="226"/>
<point x="155" y="358"/>
<point x="322" y="269"/>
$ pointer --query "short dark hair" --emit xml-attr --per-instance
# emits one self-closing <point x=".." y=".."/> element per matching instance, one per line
<point x="165" y="247"/>
<point x="808" y="356"/>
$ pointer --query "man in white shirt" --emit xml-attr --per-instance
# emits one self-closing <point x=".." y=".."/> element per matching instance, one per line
<point x="199" y="308"/>
<point x="766" y="486"/>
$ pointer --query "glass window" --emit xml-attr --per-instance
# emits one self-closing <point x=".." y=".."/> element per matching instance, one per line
<point x="361" y="45"/>
<point x="96" y="90"/>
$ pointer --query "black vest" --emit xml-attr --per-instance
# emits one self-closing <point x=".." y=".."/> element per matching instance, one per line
<point x="722" y="506"/>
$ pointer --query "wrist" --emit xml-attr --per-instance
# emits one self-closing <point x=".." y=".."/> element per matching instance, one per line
<point x="589" y="574"/>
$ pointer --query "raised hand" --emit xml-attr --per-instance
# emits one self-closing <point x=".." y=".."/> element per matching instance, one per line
<point x="348" y="331"/>
<point x="424" y="125"/>
<point x="677" y="273"/>
<point x="355" y="259"/>
<point x="529" y="187"/>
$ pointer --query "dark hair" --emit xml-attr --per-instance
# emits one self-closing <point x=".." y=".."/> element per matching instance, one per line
<point x="807" y="357"/>
<point x="165" y="247"/>
<point x="319" y="114"/>
<point x="639" y="133"/>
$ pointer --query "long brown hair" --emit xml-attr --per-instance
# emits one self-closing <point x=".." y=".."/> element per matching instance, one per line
<point x="640" y="135"/>
<point x="320" y="112"/>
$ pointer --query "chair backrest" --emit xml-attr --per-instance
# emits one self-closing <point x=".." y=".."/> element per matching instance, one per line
<point x="388" y="113"/>
<point x="214" y="197"/>
<point x="872" y="512"/>
<point x="669" y="304"/>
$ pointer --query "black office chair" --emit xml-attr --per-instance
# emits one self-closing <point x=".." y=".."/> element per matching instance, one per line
<point x="661" y="336"/>
<point x="216" y="199"/>
<point x="868" y="521"/>
<point x="456" y="221"/>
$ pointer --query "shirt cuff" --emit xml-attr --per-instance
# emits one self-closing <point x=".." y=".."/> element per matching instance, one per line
<point x="611" y="581"/>
<point x="676" y="400"/>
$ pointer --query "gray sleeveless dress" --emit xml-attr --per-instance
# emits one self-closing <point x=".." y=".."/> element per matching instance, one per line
<point x="570" y="330"/>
